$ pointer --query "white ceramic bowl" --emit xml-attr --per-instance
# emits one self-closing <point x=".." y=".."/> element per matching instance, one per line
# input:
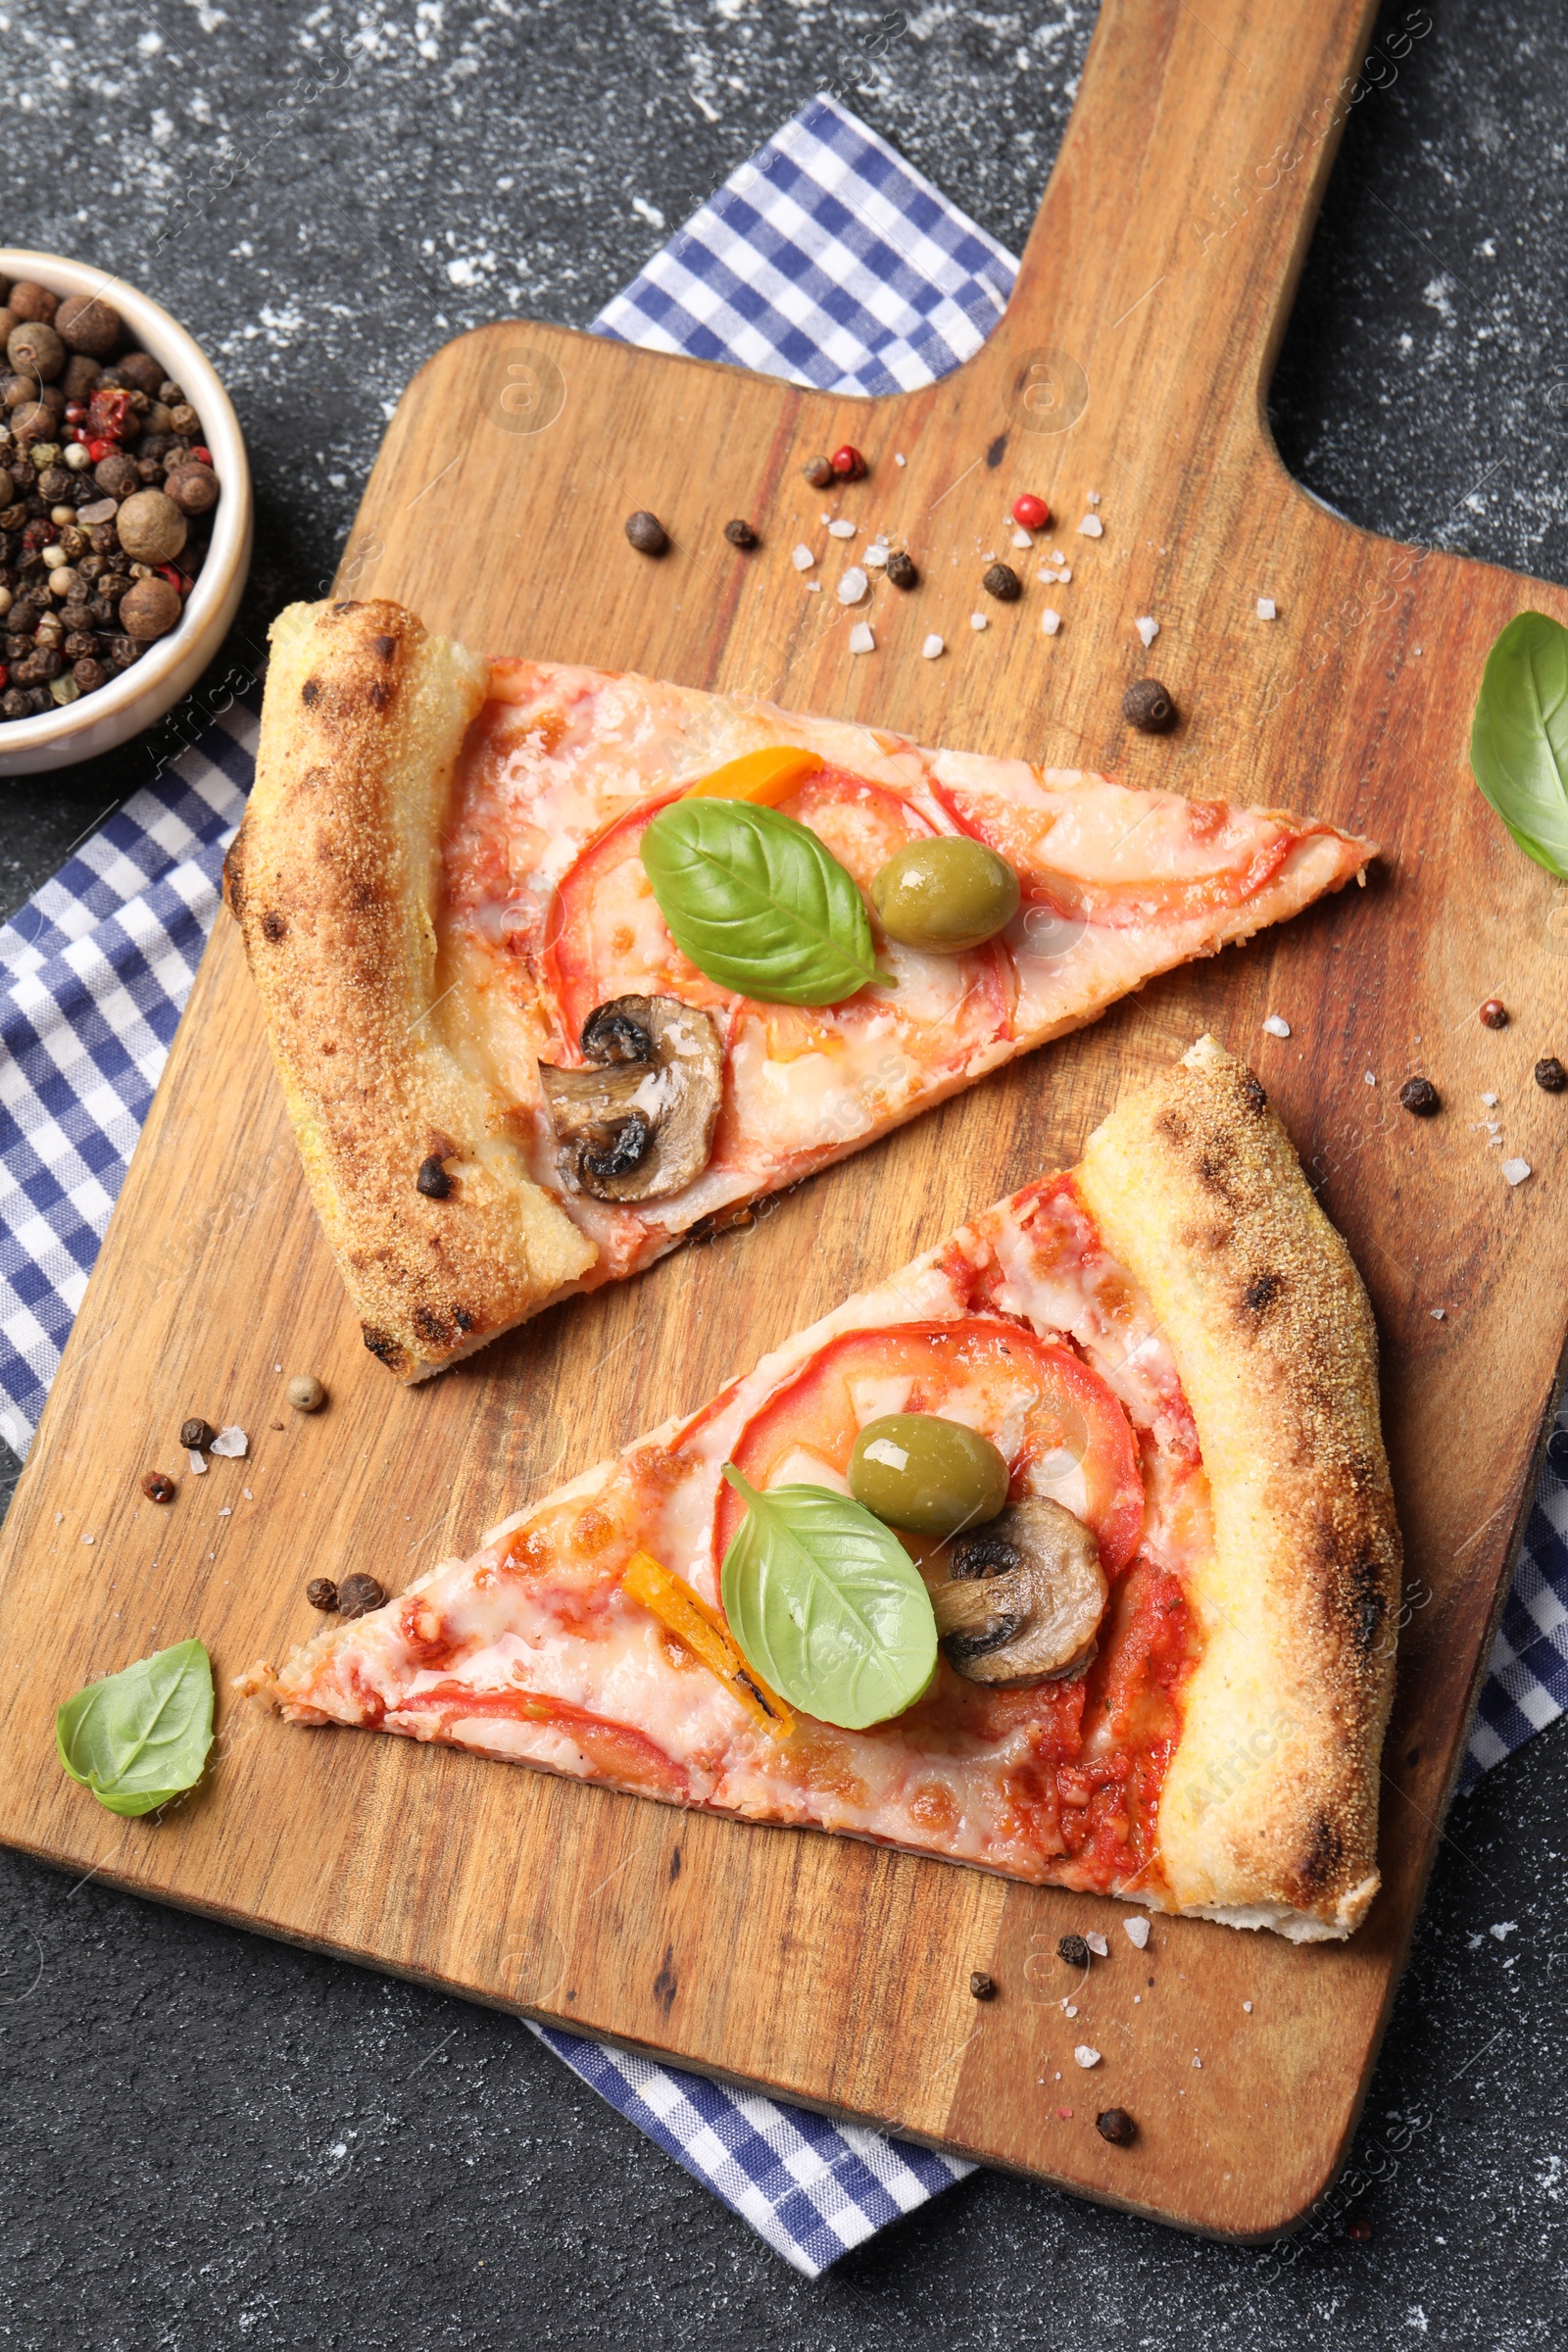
<point x="171" y="665"/>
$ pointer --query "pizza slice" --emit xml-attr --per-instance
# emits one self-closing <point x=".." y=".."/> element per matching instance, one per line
<point x="559" y="967"/>
<point x="1069" y="1551"/>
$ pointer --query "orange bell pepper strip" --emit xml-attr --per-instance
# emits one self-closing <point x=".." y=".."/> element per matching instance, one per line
<point x="767" y="776"/>
<point x="671" y="1598"/>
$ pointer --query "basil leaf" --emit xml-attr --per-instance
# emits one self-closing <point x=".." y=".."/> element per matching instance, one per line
<point x="1519" y="741"/>
<point x="141" y="1737"/>
<point x="828" y="1604"/>
<point x="758" y="902"/>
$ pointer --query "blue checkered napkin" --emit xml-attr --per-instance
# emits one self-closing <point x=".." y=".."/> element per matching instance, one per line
<point x="812" y="2189"/>
<point x="825" y="260"/>
<point x="1526" y="1682"/>
<point x="94" y="973"/>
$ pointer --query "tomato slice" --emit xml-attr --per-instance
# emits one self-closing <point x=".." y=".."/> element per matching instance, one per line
<point x="606" y="937"/>
<point x="1198" y="855"/>
<point x="1060" y="1428"/>
<point x="617" y="1752"/>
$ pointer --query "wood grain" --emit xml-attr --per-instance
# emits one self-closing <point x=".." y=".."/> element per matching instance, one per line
<point x="1162" y="262"/>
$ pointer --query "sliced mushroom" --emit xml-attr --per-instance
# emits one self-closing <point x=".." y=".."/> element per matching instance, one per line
<point x="638" y="1123"/>
<point x="1024" y="1600"/>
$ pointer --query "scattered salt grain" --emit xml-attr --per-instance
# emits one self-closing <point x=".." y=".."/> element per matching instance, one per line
<point x="227" y="1511"/>
<point x="1267" y="609"/>
<point x="813" y="587"/>
<point x="1504" y="1928"/>
<point x="899" y="457"/>
<point x="803" y="558"/>
<point x="230" y="1443"/>
<point x="1093" y="497"/>
<point x="862" y="640"/>
<point x="1248" y="2006"/>
<point x="198" y="1467"/>
<point x="978" y="620"/>
<point x="1097" y="1944"/>
<point x="1062" y="573"/>
<point x="1147" y="628"/>
<point x="1490" y="1100"/>
<point x="1070" y="2008"/>
<point x="1084" y="2056"/>
<point x="1277" y="1025"/>
<point x="933" y="645"/>
<point x="842" y="529"/>
<point x="852" y="586"/>
<point x="876" y="554"/>
<point x="1091" y="527"/>
<point x="1022" y="538"/>
<point x="1371" y="1077"/>
<point x="1196" y="2061"/>
<point x="1517" y="1170"/>
<point x="1050" y="621"/>
<point x="1135" y="1932"/>
<point x="1056" y="555"/>
<point x="87" y="1539"/>
<point x="1439" y="1314"/>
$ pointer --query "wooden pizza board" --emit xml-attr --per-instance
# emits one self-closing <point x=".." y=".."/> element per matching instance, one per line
<point x="1133" y="362"/>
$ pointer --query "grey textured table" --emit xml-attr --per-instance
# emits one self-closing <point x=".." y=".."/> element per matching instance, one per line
<point x="211" y="2140"/>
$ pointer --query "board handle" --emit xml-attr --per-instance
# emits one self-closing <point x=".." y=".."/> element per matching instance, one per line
<point x="1160" y="269"/>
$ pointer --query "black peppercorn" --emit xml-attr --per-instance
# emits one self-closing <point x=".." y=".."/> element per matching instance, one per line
<point x="647" y="533"/>
<point x="14" y="702"/>
<point x="819" y="472"/>
<point x="359" y="1593"/>
<point x="901" y="570"/>
<point x="1117" y="2125"/>
<point x="80" y="645"/>
<point x="983" y="1988"/>
<point x="1420" y="1096"/>
<point x="1074" y="1950"/>
<point x="432" y="1180"/>
<point x="1149" y="707"/>
<point x="1004" y="583"/>
<point x="141" y="371"/>
<point x="89" y="673"/>
<point x="157" y="1488"/>
<point x="740" y="534"/>
<point x="321" y="1593"/>
<point x="195" y="1435"/>
<point x="1551" y="1076"/>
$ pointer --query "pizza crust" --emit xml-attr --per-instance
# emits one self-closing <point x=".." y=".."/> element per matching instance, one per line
<point x="1268" y="1814"/>
<point x="333" y="879"/>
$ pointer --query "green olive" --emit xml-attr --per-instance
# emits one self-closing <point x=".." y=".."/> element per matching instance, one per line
<point x="945" y="895"/>
<point x="932" y="1475"/>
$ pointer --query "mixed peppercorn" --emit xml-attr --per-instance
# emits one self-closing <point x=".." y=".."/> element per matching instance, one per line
<point x="110" y="492"/>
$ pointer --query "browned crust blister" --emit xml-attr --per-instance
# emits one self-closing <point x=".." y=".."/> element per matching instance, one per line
<point x="333" y="879"/>
<point x="1268" y="1815"/>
